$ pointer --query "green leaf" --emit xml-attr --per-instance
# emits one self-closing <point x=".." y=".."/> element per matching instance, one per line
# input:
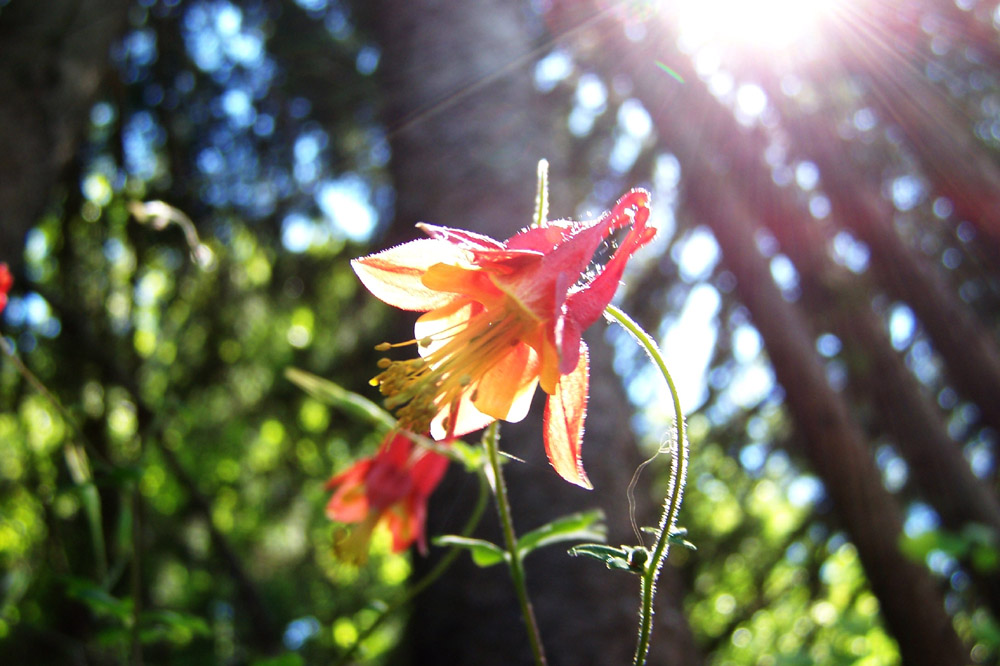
<point x="615" y="558"/>
<point x="583" y="526"/>
<point x="626" y="558"/>
<point x="484" y="553"/>
<point x="677" y="538"/>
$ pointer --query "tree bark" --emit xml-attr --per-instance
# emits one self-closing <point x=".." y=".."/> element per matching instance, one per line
<point x="55" y="57"/>
<point x="466" y="130"/>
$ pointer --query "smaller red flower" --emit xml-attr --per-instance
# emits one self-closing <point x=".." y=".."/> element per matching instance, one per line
<point x="391" y="487"/>
<point x="6" y="282"/>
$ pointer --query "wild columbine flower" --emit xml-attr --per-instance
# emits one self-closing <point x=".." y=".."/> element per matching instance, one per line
<point x="500" y="319"/>
<point x="6" y="282"/>
<point x="391" y="487"/>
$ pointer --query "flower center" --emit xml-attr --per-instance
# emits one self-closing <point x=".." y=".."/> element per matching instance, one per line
<point x="452" y="363"/>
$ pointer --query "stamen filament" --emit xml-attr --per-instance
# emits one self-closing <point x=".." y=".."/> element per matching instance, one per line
<point x="422" y="388"/>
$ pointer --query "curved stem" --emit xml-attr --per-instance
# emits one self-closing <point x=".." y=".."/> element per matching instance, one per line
<point x="490" y="441"/>
<point x="443" y="564"/>
<point x="672" y="504"/>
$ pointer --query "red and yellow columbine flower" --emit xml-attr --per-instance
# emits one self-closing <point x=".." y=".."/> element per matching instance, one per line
<point x="391" y="487"/>
<point x="501" y="318"/>
<point x="6" y="282"/>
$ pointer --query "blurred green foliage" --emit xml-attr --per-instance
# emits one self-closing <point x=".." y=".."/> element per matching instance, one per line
<point x="171" y="499"/>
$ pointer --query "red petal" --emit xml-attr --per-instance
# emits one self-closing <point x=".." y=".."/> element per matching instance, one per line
<point x="541" y="239"/>
<point x="394" y="275"/>
<point x="428" y="472"/>
<point x="565" y="412"/>
<point x="568" y="248"/>
<point x="461" y="237"/>
<point x="348" y="505"/>
<point x="569" y="344"/>
<point x="353" y="475"/>
<point x="585" y="306"/>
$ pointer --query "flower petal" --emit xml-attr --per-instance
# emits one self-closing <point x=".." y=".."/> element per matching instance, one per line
<point x="469" y="419"/>
<point x="586" y="305"/>
<point x="349" y="504"/>
<point x="461" y="237"/>
<point x="474" y="284"/>
<point x="452" y="317"/>
<point x="427" y="472"/>
<point x="505" y="390"/>
<point x="568" y="248"/>
<point x="394" y="275"/>
<point x="569" y="344"/>
<point x="565" y="412"/>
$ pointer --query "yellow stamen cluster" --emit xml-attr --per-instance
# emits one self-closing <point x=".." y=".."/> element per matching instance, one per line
<point x="419" y="389"/>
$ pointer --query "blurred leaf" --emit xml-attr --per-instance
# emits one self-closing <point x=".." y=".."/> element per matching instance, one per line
<point x="99" y="600"/>
<point x="484" y="553"/>
<point x="173" y="626"/>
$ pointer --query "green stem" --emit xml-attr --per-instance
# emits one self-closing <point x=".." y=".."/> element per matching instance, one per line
<point x="542" y="196"/>
<point x="446" y="561"/>
<point x="490" y="441"/>
<point x="672" y="504"/>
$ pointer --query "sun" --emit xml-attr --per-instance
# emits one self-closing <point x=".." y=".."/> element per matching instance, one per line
<point x="756" y="25"/>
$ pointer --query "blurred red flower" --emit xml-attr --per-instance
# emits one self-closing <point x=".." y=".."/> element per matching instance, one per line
<point x="6" y="282"/>
<point x="391" y="487"/>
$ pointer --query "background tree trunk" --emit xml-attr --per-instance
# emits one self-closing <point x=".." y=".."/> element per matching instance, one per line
<point x="55" y="57"/>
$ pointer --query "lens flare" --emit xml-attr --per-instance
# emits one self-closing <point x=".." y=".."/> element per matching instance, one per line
<point x="757" y="24"/>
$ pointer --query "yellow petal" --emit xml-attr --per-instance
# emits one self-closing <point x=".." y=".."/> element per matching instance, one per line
<point x="505" y="390"/>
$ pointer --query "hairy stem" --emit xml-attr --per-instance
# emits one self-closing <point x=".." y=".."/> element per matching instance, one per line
<point x="675" y="490"/>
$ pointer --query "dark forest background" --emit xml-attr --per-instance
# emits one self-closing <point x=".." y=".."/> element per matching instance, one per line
<point x="825" y="285"/>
